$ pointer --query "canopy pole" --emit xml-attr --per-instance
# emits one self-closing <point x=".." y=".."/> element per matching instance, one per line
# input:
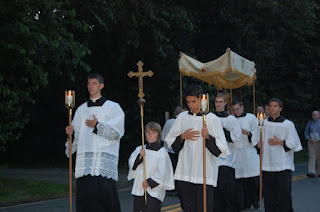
<point x="230" y="87"/>
<point x="181" y="90"/>
<point x="229" y="63"/>
<point x="254" y="98"/>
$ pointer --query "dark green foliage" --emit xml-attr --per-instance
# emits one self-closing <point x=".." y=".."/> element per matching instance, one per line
<point x="37" y="45"/>
<point x="55" y="49"/>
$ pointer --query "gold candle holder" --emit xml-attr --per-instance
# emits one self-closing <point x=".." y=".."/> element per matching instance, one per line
<point x="204" y="103"/>
<point x="70" y="99"/>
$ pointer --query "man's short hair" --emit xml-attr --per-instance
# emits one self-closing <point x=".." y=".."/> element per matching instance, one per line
<point x="222" y="95"/>
<point x="194" y="90"/>
<point x="177" y="111"/>
<point x="237" y="101"/>
<point x="276" y="100"/>
<point x="96" y="76"/>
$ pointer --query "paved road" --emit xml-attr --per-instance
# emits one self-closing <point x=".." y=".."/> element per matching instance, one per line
<point x="305" y="192"/>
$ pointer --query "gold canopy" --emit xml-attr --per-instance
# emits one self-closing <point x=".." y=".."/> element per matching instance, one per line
<point x="229" y="71"/>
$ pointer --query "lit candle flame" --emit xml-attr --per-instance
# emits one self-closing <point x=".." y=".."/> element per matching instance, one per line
<point x="260" y="119"/>
<point x="69" y="97"/>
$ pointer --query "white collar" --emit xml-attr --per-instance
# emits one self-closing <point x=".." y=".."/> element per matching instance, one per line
<point x="94" y="100"/>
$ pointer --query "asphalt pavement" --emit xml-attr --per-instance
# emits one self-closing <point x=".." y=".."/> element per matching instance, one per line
<point x="305" y="192"/>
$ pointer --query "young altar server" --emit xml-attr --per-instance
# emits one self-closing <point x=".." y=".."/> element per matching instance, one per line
<point x="248" y="163"/>
<point x="186" y="138"/>
<point x="225" y="198"/>
<point x="98" y="125"/>
<point x="279" y="142"/>
<point x="159" y="172"/>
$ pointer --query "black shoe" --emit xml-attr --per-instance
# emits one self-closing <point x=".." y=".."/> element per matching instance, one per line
<point x="256" y="205"/>
<point x="311" y="175"/>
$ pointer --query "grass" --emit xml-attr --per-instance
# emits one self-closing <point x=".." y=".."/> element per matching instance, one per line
<point x="13" y="191"/>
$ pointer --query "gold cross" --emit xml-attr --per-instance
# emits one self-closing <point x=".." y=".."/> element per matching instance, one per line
<point x="140" y="75"/>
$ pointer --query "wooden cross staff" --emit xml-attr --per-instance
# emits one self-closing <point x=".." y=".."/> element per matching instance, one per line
<point x="140" y="75"/>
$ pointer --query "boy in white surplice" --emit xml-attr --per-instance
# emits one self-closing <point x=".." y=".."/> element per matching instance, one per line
<point x="247" y="172"/>
<point x="279" y="142"/>
<point x="98" y="125"/>
<point x="225" y="198"/>
<point x="159" y="172"/>
<point x="186" y="139"/>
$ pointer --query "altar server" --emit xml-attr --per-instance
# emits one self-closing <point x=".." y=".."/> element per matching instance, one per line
<point x="279" y="142"/>
<point x="248" y="162"/>
<point x="186" y="138"/>
<point x="98" y="125"/>
<point x="225" y="198"/>
<point x="159" y="172"/>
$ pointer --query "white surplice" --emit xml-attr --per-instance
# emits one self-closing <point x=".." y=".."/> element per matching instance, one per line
<point x="248" y="161"/>
<point x="97" y="153"/>
<point x="274" y="157"/>
<point x="231" y="124"/>
<point x="158" y="168"/>
<point x="190" y="161"/>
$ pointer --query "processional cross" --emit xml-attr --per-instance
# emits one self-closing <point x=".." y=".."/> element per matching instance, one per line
<point x="140" y="75"/>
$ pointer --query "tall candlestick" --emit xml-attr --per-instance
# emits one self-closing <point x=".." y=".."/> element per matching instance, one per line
<point x="260" y="119"/>
<point x="70" y="103"/>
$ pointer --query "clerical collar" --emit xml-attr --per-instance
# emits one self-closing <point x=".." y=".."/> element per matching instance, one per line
<point x="221" y="114"/>
<point x="153" y="146"/>
<point x="95" y="99"/>
<point x="242" y="115"/>
<point x="98" y="102"/>
<point x="194" y="114"/>
<point x="278" y="119"/>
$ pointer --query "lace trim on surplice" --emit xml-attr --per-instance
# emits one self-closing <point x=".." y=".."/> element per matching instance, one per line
<point x="107" y="132"/>
<point x="97" y="163"/>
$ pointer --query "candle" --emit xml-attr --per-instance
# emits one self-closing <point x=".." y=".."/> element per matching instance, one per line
<point x="260" y="119"/>
<point x="203" y="103"/>
<point x="69" y="98"/>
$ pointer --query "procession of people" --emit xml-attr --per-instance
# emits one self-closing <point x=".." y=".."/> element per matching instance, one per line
<point x="232" y="147"/>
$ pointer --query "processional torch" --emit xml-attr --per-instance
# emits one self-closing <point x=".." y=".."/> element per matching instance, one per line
<point x="204" y="110"/>
<point x="141" y="101"/>
<point x="70" y="99"/>
<point x="260" y="119"/>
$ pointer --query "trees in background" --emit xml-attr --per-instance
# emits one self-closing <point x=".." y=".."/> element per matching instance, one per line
<point x="50" y="46"/>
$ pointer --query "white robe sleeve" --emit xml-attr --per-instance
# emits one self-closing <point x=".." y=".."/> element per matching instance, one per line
<point x="292" y="138"/>
<point x="164" y="174"/>
<point x="112" y="129"/>
<point x="215" y="130"/>
<point x="76" y="124"/>
<point x="236" y="134"/>
<point x="133" y="156"/>
<point x="255" y="138"/>
<point x="175" y="131"/>
<point x="255" y="131"/>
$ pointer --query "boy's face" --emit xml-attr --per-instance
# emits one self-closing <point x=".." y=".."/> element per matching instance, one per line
<point x="274" y="109"/>
<point x="219" y="104"/>
<point x="152" y="136"/>
<point x="237" y="109"/>
<point x="94" y="87"/>
<point x="193" y="103"/>
<point x="266" y="110"/>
